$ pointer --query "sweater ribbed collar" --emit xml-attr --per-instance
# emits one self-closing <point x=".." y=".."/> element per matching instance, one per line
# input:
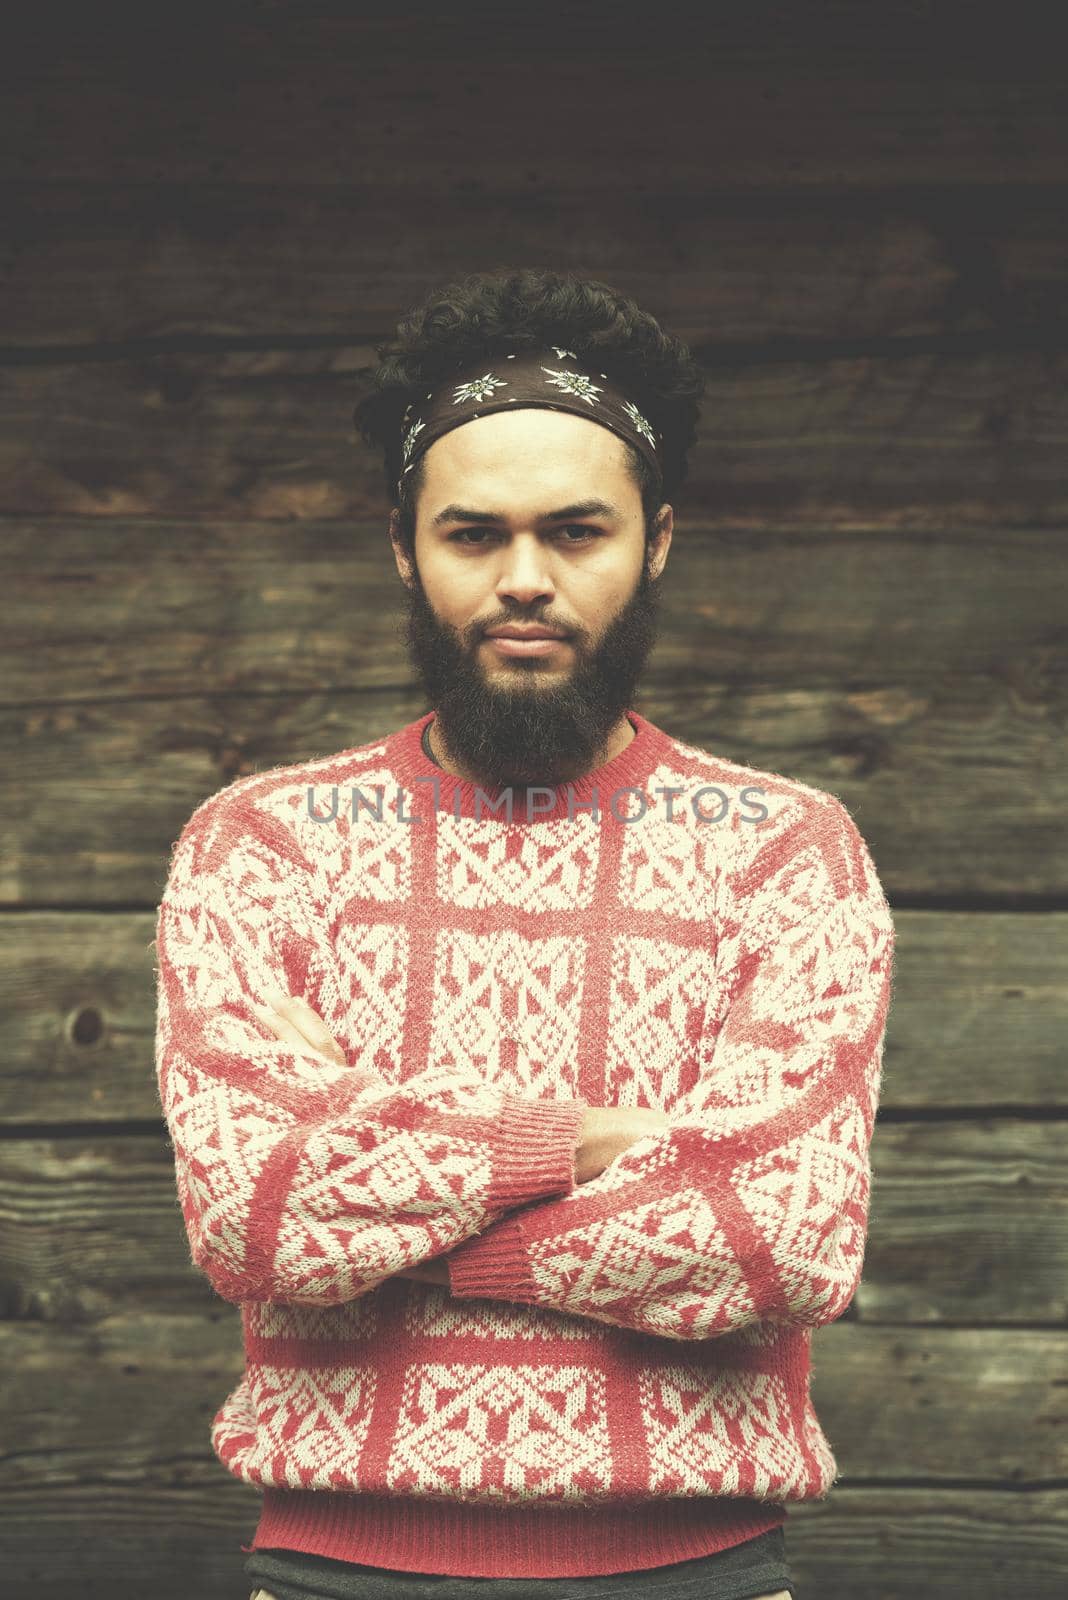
<point x="629" y="769"/>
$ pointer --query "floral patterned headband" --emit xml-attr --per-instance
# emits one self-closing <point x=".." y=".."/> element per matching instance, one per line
<point x="551" y="378"/>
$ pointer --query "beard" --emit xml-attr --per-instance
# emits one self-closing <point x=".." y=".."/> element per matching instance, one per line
<point x="527" y="724"/>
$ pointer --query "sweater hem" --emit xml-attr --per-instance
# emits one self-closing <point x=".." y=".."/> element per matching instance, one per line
<point x="464" y="1539"/>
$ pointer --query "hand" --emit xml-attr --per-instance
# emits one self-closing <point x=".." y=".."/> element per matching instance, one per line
<point x="294" y="1021"/>
<point x="606" y="1131"/>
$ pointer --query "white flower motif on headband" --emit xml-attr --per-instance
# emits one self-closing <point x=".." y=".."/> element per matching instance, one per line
<point x="477" y="389"/>
<point x="639" y="422"/>
<point x="561" y="355"/>
<point x="409" y="438"/>
<point x="575" y="383"/>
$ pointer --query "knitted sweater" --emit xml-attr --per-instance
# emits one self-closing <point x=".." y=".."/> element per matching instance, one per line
<point x="617" y="1375"/>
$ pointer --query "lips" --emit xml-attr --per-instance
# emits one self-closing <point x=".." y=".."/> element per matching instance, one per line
<point x="524" y="633"/>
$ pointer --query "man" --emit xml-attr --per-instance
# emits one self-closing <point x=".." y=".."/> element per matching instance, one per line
<point x="528" y="1125"/>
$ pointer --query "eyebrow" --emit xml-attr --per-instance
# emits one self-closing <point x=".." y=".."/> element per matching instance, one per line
<point x="582" y="508"/>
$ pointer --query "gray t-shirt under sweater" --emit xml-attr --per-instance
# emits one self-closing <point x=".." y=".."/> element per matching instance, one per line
<point x="756" y="1566"/>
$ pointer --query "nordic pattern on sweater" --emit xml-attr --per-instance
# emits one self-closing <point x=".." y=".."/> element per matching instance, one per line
<point x="643" y="1334"/>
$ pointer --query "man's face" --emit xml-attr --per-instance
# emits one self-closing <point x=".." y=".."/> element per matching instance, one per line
<point x="526" y="718"/>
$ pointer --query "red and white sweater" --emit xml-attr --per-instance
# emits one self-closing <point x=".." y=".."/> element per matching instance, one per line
<point x="618" y="1375"/>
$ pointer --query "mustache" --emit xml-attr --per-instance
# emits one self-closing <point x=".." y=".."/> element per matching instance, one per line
<point x="567" y="630"/>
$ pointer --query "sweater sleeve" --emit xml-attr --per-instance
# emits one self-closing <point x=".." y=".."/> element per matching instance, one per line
<point x="753" y="1204"/>
<point x="300" y="1179"/>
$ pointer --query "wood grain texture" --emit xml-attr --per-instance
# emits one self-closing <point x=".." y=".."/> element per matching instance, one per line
<point x="959" y="787"/>
<point x="343" y="103"/>
<point x="858" y="221"/>
<point x="881" y="1542"/>
<point x="977" y="1024"/>
<point x="896" y="1404"/>
<point x="903" y="1408"/>
<point x="90" y="1225"/>
<point x="916" y="440"/>
<point x="210" y="265"/>
<point x="102" y="610"/>
<point x="922" y="679"/>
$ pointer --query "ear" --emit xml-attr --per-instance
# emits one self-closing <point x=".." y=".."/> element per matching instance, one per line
<point x="660" y="544"/>
<point x="400" y="554"/>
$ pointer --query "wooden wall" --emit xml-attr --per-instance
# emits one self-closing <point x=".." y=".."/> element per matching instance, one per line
<point x="862" y="228"/>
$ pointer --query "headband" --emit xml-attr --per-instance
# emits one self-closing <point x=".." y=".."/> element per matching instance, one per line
<point x="550" y="378"/>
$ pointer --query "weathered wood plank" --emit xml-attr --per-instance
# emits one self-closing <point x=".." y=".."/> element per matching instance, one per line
<point x="917" y="440"/>
<point x="896" y="1403"/>
<point x="974" y="1248"/>
<point x="341" y="107"/>
<point x="960" y="786"/>
<point x="176" y="262"/>
<point x="92" y="1224"/>
<point x="953" y="755"/>
<point x="979" y="1017"/>
<point x="893" y="1544"/>
<point x="100" y="609"/>
<point x="123" y="1541"/>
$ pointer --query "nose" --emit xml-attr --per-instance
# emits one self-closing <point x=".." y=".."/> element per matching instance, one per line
<point x="525" y="576"/>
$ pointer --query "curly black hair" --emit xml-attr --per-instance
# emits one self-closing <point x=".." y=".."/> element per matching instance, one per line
<point x="486" y="313"/>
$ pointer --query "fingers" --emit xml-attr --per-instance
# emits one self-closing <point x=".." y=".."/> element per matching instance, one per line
<point x="315" y="1029"/>
<point x="295" y="1022"/>
<point x="279" y="1026"/>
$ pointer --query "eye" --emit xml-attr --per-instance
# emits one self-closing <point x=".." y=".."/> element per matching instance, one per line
<point x="460" y="536"/>
<point x="584" y="532"/>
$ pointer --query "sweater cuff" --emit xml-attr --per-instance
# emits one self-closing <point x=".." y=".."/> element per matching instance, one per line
<point x="493" y="1265"/>
<point x="534" y="1149"/>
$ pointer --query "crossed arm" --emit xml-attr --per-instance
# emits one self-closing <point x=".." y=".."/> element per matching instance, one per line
<point x="605" y="1132"/>
<point x="305" y="1177"/>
